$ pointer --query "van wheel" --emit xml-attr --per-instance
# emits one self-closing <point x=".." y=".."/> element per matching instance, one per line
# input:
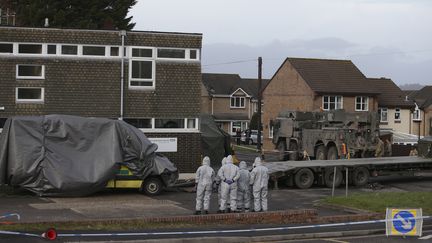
<point x="321" y="153"/>
<point x="281" y="147"/>
<point x="360" y="176"/>
<point x="304" y="178"/>
<point x="152" y="186"/>
<point x="328" y="177"/>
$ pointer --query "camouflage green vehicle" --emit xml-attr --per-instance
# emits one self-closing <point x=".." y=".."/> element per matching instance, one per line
<point x="325" y="135"/>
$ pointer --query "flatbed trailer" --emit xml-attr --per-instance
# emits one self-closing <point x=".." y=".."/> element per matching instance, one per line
<point x="304" y="174"/>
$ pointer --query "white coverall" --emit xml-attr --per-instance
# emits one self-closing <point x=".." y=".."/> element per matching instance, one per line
<point x="243" y="188"/>
<point x="259" y="181"/>
<point x="218" y="180"/>
<point x="204" y="179"/>
<point x="229" y="176"/>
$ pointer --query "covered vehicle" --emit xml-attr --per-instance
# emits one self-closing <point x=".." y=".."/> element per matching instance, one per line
<point x="60" y="155"/>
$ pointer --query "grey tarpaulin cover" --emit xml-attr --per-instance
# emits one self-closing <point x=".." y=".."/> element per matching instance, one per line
<point x="215" y="142"/>
<point x="60" y="155"/>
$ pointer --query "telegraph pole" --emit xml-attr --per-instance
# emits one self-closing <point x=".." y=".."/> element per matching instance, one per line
<point x="259" y="104"/>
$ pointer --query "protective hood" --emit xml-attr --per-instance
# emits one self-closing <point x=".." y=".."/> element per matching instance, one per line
<point x="243" y="165"/>
<point x="229" y="159"/>
<point x="224" y="161"/>
<point x="206" y="161"/>
<point x="257" y="161"/>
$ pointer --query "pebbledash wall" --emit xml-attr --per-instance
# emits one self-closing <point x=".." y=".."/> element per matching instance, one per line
<point x="78" y="72"/>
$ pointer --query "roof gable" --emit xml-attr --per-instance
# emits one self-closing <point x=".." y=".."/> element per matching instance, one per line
<point x="327" y="76"/>
<point x="228" y="84"/>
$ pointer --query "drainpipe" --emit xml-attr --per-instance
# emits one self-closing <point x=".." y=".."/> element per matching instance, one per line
<point x="122" y="34"/>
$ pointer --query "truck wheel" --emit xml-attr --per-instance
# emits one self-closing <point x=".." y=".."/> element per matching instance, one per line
<point x="293" y="155"/>
<point x="304" y="178"/>
<point x="360" y="176"/>
<point x="152" y="186"/>
<point x="321" y="153"/>
<point x="281" y="147"/>
<point x="328" y="177"/>
<point x="332" y="153"/>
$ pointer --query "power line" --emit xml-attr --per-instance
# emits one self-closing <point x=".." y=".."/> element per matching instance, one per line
<point x="233" y="62"/>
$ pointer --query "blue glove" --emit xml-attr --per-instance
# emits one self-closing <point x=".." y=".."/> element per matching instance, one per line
<point x="229" y="182"/>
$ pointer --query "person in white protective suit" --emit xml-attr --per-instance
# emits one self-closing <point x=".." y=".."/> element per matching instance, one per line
<point x="243" y="188"/>
<point x="218" y="181"/>
<point x="259" y="180"/>
<point x="229" y="176"/>
<point x="204" y="181"/>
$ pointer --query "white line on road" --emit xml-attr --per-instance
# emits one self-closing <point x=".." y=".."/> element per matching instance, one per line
<point x="426" y="237"/>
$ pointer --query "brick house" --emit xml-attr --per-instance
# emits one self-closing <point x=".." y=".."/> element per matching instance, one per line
<point x="83" y="72"/>
<point x="422" y="115"/>
<point x="232" y="100"/>
<point x="306" y="84"/>
<point x="394" y="108"/>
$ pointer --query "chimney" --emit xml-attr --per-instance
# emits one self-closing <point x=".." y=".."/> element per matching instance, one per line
<point x="46" y="22"/>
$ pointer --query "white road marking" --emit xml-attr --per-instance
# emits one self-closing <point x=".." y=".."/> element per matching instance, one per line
<point x="425" y="237"/>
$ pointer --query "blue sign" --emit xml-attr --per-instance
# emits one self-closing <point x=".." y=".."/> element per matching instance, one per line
<point x="404" y="222"/>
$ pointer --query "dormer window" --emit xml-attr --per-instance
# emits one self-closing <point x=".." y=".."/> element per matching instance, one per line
<point x="237" y="102"/>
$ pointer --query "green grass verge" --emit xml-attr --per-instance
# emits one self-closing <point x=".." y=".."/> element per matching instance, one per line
<point x="85" y="226"/>
<point x="379" y="201"/>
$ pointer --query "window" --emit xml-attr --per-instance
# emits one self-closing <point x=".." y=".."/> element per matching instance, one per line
<point x="142" y="52"/>
<point x="30" y="48"/>
<point x="171" y="53"/>
<point x="417" y="114"/>
<point x="139" y="123"/>
<point x="237" y="102"/>
<point x="332" y="103"/>
<point x="191" y="123"/>
<point x="93" y="50"/>
<point x="52" y="49"/>
<point x="69" y="50"/>
<point x="397" y="116"/>
<point x="169" y="123"/>
<point x="30" y="71"/>
<point x="193" y="54"/>
<point x="235" y="125"/>
<point x="383" y="112"/>
<point x="114" y="51"/>
<point x="271" y="129"/>
<point x="6" y="48"/>
<point x="142" y="69"/>
<point x="29" y="94"/>
<point x="142" y="73"/>
<point x="362" y="103"/>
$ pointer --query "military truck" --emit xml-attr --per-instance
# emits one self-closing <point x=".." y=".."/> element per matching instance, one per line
<point x="325" y="135"/>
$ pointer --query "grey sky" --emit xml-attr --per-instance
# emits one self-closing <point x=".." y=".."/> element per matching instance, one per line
<point x="384" y="38"/>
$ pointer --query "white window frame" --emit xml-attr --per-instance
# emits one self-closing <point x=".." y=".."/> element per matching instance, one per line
<point x="107" y="50"/>
<point x="382" y="111"/>
<point x="336" y="102"/>
<point x="240" y="98"/>
<point x="43" y="47"/>
<point x="30" y="77"/>
<point x="148" y="59"/>
<point x="271" y="129"/>
<point x="172" y="130"/>
<point x="187" y="54"/>
<point x="41" y="100"/>
<point x="364" y="101"/>
<point x="416" y="115"/>
<point x="397" y="111"/>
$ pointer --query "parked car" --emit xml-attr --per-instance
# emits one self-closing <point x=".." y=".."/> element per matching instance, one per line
<point x="250" y="137"/>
